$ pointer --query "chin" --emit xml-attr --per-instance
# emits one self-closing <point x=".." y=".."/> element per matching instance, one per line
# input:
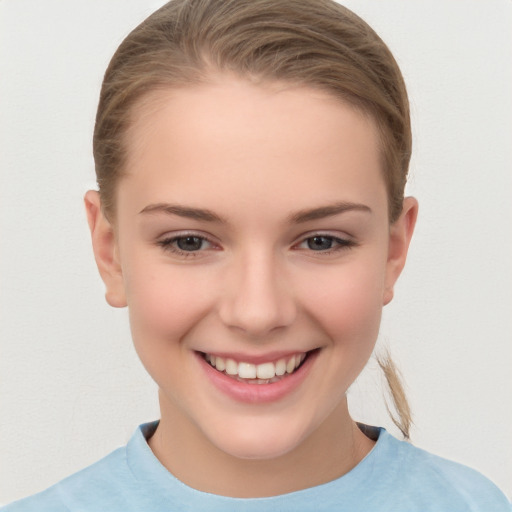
<point x="257" y="442"/>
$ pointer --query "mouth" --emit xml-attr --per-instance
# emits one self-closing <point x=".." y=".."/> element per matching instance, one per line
<point x="258" y="380"/>
<point x="268" y="372"/>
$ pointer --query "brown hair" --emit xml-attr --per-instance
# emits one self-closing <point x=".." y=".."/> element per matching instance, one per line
<point x="315" y="43"/>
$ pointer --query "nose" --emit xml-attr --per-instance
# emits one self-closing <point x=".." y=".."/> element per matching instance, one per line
<point x="257" y="297"/>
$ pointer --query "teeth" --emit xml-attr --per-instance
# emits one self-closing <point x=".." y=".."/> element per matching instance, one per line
<point x="246" y="370"/>
<point x="290" y="365"/>
<point x="220" y="364"/>
<point x="265" y="372"/>
<point x="281" y="367"/>
<point x="231" y="367"/>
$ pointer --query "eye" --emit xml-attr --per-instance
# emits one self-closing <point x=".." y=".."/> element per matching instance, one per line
<point x="325" y="243"/>
<point x="186" y="245"/>
<point x="190" y="243"/>
<point x="320" y="243"/>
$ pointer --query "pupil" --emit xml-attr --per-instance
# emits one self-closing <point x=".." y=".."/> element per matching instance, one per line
<point x="319" y="243"/>
<point x="190" y="243"/>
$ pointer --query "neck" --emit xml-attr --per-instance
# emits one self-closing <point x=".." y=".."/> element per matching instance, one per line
<point x="335" y="447"/>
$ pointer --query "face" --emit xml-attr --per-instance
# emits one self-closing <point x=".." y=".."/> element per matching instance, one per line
<point x="253" y="249"/>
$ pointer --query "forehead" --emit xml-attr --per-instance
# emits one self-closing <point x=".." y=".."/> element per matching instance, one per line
<point x="235" y="137"/>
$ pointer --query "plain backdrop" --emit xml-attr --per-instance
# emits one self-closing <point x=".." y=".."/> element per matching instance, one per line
<point x="71" y="386"/>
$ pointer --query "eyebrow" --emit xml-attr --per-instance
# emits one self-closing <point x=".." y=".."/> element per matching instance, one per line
<point x="327" y="211"/>
<point x="184" y="211"/>
<point x="297" y="218"/>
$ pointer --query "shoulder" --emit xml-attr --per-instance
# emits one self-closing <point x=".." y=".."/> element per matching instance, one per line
<point x="120" y="482"/>
<point x="98" y="485"/>
<point x="438" y="483"/>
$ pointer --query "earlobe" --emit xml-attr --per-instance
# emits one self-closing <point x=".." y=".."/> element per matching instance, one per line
<point x="400" y="235"/>
<point x="105" y="250"/>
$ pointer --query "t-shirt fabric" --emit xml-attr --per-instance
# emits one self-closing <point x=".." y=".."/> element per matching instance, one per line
<point x="395" y="476"/>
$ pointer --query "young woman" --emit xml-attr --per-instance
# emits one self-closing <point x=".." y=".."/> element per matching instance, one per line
<point x="251" y="159"/>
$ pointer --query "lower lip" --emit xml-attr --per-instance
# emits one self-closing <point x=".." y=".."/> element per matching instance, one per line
<point x="258" y="393"/>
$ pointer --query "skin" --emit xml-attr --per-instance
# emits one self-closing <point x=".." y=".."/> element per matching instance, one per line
<point x="257" y="157"/>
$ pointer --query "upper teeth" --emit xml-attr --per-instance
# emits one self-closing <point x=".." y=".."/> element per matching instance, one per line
<point x="256" y="371"/>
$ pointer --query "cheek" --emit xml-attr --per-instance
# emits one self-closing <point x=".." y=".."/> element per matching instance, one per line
<point x="164" y="304"/>
<point x="347" y="303"/>
<point x="349" y="313"/>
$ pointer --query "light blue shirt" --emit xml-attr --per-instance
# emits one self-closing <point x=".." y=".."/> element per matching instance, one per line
<point x="395" y="476"/>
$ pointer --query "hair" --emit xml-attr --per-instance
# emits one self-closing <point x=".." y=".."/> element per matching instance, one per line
<point x="314" y="43"/>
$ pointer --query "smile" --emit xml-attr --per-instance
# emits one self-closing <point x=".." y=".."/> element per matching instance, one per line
<point x="264" y="373"/>
<point x="256" y="380"/>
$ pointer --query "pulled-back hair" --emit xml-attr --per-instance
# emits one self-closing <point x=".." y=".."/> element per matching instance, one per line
<point x="314" y="43"/>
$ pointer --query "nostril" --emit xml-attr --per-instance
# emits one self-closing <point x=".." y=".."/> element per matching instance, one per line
<point x="257" y="319"/>
<point x="254" y="299"/>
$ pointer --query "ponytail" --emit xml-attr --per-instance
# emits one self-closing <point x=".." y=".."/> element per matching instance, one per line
<point x="401" y="416"/>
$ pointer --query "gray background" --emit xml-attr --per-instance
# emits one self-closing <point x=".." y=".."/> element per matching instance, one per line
<point x="71" y="387"/>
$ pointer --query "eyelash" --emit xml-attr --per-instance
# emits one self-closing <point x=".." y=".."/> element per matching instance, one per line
<point x="167" y="244"/>
<point x="340" y="244"/>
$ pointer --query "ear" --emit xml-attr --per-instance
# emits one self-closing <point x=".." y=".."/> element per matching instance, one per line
<point x="105" y="249"/>
<point x="400" y="234"/>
